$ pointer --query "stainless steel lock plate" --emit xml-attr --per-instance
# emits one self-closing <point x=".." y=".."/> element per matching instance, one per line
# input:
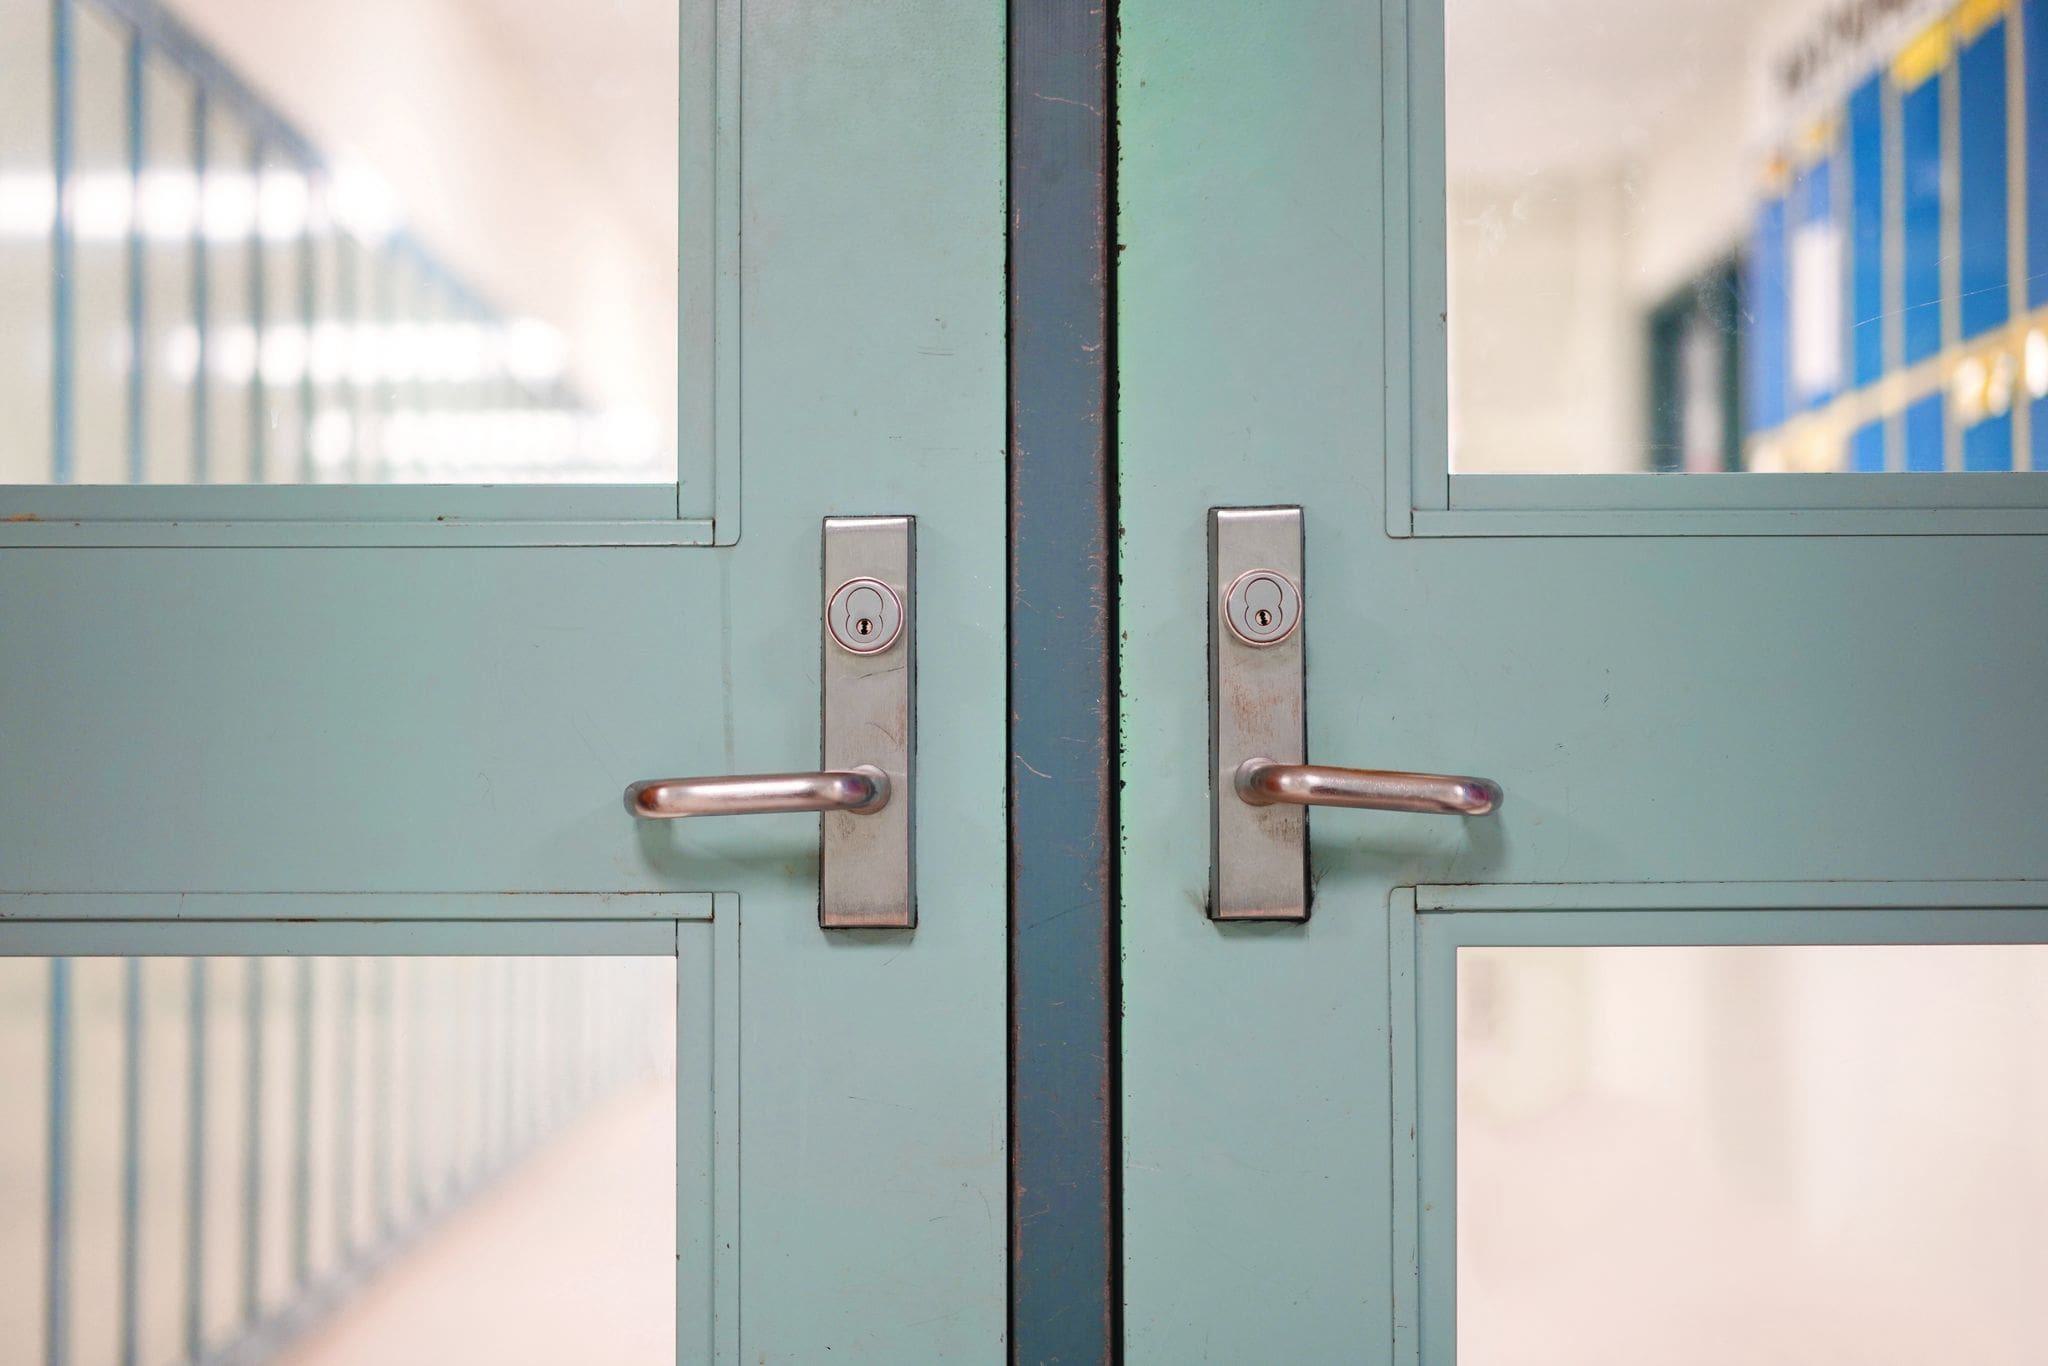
<point x="870" y="698"/>
<point x="1259" y="855"/>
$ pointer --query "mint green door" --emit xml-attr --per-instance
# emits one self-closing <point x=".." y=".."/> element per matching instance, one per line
<point x="1656" y="392"/>
<point x="338" y="622"/>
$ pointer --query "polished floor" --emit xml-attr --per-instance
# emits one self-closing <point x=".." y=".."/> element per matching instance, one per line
<point x="569" y="1258"/>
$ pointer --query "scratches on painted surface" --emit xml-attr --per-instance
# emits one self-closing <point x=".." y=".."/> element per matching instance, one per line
<point x="1061" y="99"/>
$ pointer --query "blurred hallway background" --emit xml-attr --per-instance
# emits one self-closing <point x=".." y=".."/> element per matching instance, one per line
<point x="337" y="1160"/>
<point x="1769" y="1155"/>
<point x="317" y="241"/>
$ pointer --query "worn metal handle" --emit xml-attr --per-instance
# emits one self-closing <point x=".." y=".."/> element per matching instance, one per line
<point x="863" y="791"/>
<point x="1263" y="782"/>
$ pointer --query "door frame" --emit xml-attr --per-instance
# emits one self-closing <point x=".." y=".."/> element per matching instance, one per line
<point x="1065" y="1192"/>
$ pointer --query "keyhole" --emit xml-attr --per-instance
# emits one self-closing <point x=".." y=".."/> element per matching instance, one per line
<point x="864" y="628"/>
<point x="1264" y="618"/>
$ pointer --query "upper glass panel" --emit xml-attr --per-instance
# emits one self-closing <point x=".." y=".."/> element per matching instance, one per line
<point x="1747" y="235"/>
<point x="338" y="241"/>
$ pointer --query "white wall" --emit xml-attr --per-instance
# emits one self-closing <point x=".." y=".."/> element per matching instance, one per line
<point x="1600" y="158"/>
<point x="1544" y="350"/>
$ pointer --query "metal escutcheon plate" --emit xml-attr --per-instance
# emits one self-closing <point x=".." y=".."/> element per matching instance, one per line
<point x="1258" y="854"/>
<point x="868" y="878"/>
<point x="1262" y="607"/>
<point x="864" y="615"/>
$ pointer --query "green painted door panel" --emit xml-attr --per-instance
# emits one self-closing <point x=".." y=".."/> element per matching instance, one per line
<point x="355" y="720"/>
<point x="1696" y="709"/>
<point x="443" y="731"/>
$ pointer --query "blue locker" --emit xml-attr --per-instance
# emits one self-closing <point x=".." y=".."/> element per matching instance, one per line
<point x="1920" y="127"/>
<point x="1925" y="435"/>
<point x="1766" y="345"/>
<point x="1988" y="445"/>
<point x="1985" y="302"/>
<point x="1864" y="148"/>
<point x="2034" y="31"/>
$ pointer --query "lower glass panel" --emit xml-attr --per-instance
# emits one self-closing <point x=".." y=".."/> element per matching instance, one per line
<point x="1755" y="1154"/>
<point x="337" y="1160"/>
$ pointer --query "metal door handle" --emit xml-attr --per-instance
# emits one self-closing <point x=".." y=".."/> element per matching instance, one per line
<point x="865" y="791"/>
<point x="1264" y="782"/>
<point x="862" y="791"/>
<point x="1260" y="784"/>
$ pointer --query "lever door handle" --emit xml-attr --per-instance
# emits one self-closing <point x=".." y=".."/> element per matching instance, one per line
<point x="1260" y="782"/>
<point x="862" y="791"/>
<point x="865" y="789"/>
<point x="1263" y="782"/>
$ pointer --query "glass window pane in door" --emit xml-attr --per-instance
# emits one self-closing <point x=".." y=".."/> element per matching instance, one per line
<point x="1757" y="1154"/>
<point x="1747" y="235"/>
<point x="338" y="1160"/>
<point x="173" y="173"/>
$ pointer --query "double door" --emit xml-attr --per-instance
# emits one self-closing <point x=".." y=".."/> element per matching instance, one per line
<point x="1629" y="482"/>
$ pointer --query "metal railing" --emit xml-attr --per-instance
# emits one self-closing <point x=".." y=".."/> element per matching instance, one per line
<point x="400" y="1087"/>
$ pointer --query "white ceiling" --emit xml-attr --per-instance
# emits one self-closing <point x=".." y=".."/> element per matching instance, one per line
<point x="590" y="61"/>
<point x="597" y="77"/>
<point x="1545" y="85"/>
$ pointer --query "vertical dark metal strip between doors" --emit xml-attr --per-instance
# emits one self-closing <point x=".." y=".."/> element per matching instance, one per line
<point x="1062" y="688"/>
